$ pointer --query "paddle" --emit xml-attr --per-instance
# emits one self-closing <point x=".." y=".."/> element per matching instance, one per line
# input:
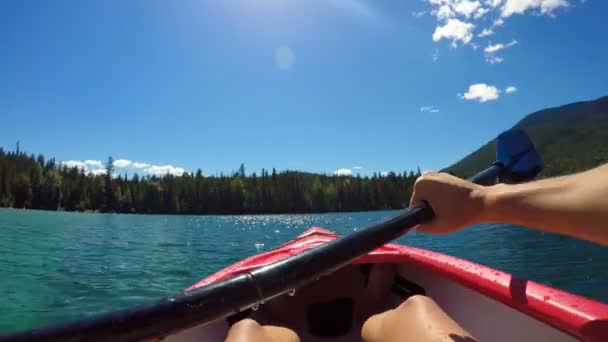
<point x="516" y="161"/>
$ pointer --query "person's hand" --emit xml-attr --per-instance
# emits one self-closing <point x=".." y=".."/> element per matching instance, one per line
<point x="457" y="203"/>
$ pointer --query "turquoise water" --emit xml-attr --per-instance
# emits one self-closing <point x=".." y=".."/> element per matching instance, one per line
<point x="60" y="266"/>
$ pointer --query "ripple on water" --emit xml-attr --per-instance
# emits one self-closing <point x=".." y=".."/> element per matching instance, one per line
<point x="63" y="266"/>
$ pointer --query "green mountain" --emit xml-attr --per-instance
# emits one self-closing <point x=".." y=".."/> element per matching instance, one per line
<point x="569" y="138"/>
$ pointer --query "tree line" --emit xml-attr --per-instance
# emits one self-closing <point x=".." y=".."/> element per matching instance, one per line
<point x="33" y="182"/>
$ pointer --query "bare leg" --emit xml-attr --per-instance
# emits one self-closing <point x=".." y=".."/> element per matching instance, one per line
<point x="419" y="318"/>
<point x="248" y="330"/>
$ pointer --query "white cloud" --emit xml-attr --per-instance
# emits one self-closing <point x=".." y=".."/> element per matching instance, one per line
<point x="548" y="6"/>
<point x="162" y="170"/>
<point x="139" y="165"/>
<point x="384" y="173"/>
<point x="481" y="92"/>
<point x="518" y="6"/>
<point x="284" y="57"/>
<point x="493" y="3"/>
<point x="497" y="47"/>
<point x="97" y="172"/>
<point x="457" y="20"/>
<point x="491" y="59"/>
<point x="498" y="22"/>
<point x="74" y="164"/>
<point x="510" y="89"/>
<point x="491" y="50"/>
<point x="486" y="32"/>
<point x="430" y="109"/>
<point x="443" y="12"/>
<point x="93" y="163"/>
<point x="343" y="172"/>
<point x="357" y="167"/>
<point x="522" y="6"/>
<point x="121" y="163"/>
<point x="481" y="11"/>
<point x="454" y="30"/>
<point x="95" y="167"/>
<point x="418" y="14"/>
<point x="435" y="56"/>
<point x="466" y="7"/>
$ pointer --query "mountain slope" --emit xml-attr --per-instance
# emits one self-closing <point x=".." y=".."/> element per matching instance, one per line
<point x="570" y="138"/>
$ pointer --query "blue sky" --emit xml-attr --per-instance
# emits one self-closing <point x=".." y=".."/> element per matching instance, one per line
<point x="315" y="85"/>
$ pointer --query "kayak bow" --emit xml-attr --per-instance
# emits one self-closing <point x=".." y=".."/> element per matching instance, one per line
<point x="492" y="305"/>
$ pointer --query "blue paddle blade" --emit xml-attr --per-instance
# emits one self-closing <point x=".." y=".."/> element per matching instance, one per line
<point x="515" y="151"/>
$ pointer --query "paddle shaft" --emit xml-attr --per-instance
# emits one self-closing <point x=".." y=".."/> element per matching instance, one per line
<point x="489" y="175"/>
<point x="290" y="273"/>
<point x="221" y="299"/>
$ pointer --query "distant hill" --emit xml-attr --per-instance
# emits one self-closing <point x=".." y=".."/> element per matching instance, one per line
<point x="570" y="138"/>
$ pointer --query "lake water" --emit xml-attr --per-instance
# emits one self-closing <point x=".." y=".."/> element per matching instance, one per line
<point x="57" y="266"/>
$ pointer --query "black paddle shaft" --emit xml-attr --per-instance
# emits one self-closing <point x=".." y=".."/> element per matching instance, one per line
<point x="286" y="274"/>
<point x="516" y="156"/>
<point x="230" y="296"/>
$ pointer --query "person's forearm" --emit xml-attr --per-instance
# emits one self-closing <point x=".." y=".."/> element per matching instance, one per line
<point x="575" y="205"/>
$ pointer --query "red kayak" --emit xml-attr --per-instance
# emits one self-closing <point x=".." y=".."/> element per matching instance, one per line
<point x="325" y="287"/>
<point x="491" y="304"/>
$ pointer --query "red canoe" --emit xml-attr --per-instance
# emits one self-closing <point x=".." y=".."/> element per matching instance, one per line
<point x="491" y="304"/>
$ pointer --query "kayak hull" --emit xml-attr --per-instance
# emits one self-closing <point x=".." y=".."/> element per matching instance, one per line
<point x="490" y="304"/>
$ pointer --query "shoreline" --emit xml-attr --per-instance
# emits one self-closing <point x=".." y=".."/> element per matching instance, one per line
<point x="209" y="214"/>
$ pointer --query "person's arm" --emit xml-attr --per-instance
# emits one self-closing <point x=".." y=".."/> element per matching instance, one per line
<point x="575" y="205"/>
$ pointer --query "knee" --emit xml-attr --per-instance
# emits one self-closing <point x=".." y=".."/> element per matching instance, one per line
<point x="251" y="331"/>
<point x="246" y="324"/>
<point x="393" y="323"/>
<point x="244" y="330"/>
<point x="417" y="302"/>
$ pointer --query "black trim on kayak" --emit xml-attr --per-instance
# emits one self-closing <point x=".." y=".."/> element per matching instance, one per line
<point x="221" y="299"/>
<point x="366" y="270"/>
<point x="224" y="298"/>
<point x="330" y="319"/>
<point x="161" y="319"/>
<point x="405" y="288"/>
<point x="238" y="316"/>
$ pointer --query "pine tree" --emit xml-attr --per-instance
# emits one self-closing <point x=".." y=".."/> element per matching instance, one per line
<point x="110" y="195"/>
<point x="35" y="182"/>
